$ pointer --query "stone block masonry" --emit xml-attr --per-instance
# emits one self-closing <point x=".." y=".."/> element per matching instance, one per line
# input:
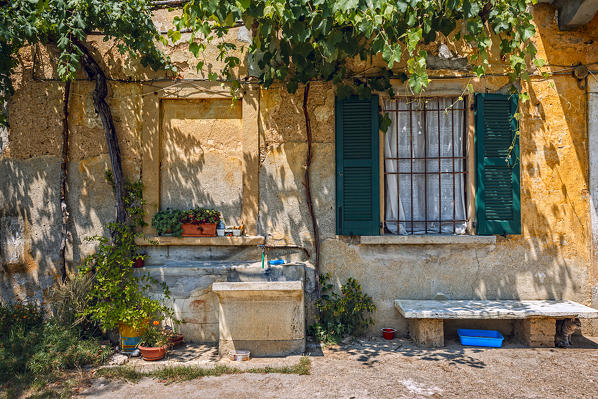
<point x="536" y="332"/>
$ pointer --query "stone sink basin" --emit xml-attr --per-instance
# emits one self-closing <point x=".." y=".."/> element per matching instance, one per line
<point x="266" y="318"/>
<point x="275" y="291"/>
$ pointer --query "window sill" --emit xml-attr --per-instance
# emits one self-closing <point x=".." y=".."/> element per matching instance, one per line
<point x="428" y="240"/>
<point x="204" y="241"/>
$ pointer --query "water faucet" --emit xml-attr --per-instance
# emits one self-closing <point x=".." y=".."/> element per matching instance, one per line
<point x="263" y="246"/>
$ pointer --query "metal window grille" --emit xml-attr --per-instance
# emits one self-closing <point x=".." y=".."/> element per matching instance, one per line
<point x="438" y="164"/>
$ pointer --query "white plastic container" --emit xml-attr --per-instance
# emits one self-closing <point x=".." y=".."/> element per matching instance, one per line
<point x="240" y="356"/>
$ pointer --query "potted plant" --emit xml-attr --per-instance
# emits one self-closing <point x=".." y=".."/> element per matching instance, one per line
<point x="168" y="222"/>
<point x="154" y="342"/>
<point x="175" y="338"/>
<point x="238" y="230"/>
<point x="139" y="259"/>
<point x="199" y="222"/>
<point x="119" y="296"/>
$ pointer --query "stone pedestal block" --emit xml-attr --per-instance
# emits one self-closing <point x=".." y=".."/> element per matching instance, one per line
<point x="266" y="318"/>
<point x="427" y="332"/>
<point x="536" y="332"/>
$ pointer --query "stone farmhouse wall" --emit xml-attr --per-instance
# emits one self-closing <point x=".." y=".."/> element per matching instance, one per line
<point x="191" y="145"/>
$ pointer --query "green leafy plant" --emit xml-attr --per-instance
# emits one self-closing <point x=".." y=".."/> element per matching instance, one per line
<point x="200" y="216"/>
<point x="70" y="298"/>
<point x="168" y="221"/>
<point x="119" y="295"/>
<point x="155" y="336"/>
<point x="295" y="43"/>
<point x="133" y="200"/>
<point x="35" y="350"/>
<point x="341" y="314"/>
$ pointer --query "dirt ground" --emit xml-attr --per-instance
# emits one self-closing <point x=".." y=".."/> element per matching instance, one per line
<point x="374" y="368"/>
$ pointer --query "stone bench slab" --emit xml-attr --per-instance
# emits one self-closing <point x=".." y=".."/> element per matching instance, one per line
<point x="491" y="309"/>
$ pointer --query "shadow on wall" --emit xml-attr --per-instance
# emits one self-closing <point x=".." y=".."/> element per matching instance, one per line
<point x="284" y="213"/>
<point x="201" y="156"/>
<point x="29" y="226"/>
<point x="30" y="216"/>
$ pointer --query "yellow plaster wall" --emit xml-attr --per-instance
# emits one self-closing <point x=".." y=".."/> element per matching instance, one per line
<point x="201" y="155"/>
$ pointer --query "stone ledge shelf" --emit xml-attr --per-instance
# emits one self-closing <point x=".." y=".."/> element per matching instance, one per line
<point x="252" y="286"/>
<point x="206" y="241"/>
<point x="427" y="240"/>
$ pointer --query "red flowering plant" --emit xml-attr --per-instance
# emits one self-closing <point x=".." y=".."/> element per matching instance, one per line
<point x="155" y="336"/>
<point x="200" y="216"/>
<point x="19" y="315"/>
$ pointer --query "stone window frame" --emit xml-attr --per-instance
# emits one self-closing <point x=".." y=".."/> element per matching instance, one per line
<point x="153" y="96"/>
<point x="446" y="88"/>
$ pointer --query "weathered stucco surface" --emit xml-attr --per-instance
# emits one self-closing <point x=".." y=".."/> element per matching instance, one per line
<point x="205" y="150"/>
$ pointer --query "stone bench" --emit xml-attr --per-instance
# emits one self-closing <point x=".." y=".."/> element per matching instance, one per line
<point x="536" y="324"/>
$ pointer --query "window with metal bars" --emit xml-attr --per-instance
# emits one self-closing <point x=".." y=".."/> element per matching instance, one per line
<point x="425" y="166"/>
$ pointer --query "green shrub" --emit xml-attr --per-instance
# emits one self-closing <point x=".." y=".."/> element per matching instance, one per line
<point x="343" y="314"/>
<point x="70" y="298"/>
<point x="118" y="294"/>
<point x="19" y="316"/>
<point x="33" y="349"/>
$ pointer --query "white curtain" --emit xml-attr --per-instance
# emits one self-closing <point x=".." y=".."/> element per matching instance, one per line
<point x="404" y="144"/>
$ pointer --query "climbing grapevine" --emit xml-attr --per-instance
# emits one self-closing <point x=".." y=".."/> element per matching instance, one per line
<point x="296" y="41"/>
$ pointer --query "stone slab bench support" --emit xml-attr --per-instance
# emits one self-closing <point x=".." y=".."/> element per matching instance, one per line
<point x="535" y="320"/>
<point x="427" y="332"/>
<point x="536" y="332"/>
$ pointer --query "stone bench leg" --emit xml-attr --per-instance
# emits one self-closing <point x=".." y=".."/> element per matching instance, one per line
<point x="536" y="332"/>
<point x="427" y="332"/>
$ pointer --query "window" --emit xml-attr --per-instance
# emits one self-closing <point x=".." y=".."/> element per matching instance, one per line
<point x="412" y="179"/>
<point x="425" y="166"/>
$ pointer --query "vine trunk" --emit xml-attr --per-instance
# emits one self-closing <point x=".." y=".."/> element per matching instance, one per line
<point x="64" y="178"/>
<point x="95" y="73"/>
<point x="308" y="194"/>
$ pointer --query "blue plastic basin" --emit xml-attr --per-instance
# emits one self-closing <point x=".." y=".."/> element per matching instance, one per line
<point x="489" y="338"/>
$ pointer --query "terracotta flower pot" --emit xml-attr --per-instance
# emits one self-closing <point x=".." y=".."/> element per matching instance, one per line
<point x="139" y="262"/>
<point x="175" y="340"/>
<point x="199" y="230"/>
<point x="151" y="354"/>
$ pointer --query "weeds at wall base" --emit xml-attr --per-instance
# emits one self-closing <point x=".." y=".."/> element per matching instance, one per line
<point x="187" y="373"/>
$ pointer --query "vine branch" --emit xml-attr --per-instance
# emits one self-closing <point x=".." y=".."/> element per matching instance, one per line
<point x="95" y="73"/>
<point x="308" y="194"/>
<point x="64" y="178"/>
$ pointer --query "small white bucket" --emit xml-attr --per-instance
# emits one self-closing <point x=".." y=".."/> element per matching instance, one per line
<point x="240" y="356"/>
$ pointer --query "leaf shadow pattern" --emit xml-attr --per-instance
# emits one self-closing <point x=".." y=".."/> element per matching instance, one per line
<point x="370" y="352"/>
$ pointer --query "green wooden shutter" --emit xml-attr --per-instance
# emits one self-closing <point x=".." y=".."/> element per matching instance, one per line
<point x="357" y="167"/>
<point x="498" y="205"/>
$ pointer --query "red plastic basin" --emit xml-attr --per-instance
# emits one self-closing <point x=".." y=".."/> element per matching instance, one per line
<point x="388" y="333"/>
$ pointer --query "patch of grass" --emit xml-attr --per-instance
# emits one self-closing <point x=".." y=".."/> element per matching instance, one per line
<point x="186" y="373"/>
<point x="35" y="354"/>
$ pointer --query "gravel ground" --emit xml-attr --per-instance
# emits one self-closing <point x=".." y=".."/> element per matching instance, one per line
<point x="374" y="368"/>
